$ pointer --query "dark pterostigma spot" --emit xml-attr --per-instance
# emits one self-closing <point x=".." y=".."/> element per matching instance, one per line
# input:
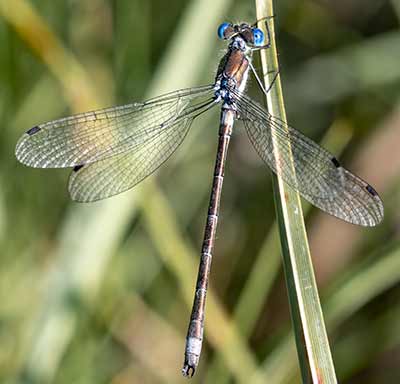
<point x="371" y="190"/>
<point x="33" y="130"/>
<point x="335" y="162"/>
<point x="78" y="167"/>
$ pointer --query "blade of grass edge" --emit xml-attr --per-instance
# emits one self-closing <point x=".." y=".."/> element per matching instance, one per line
<point x="311" y="338"/>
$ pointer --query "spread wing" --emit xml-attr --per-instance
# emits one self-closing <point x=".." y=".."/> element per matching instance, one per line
<point x="116" y="174"/>
<point x="310" y="169"/>
<point x="88" y="137"/>
<point x="113" y="149"/>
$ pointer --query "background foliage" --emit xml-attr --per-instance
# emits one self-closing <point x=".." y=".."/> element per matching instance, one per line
<point x="102" y="292"/>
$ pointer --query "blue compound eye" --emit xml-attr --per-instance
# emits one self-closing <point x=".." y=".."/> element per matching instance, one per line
<point x="258" y="36"/>
<point x="222" y="29"/>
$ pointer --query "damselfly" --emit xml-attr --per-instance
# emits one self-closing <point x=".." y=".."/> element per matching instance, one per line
<point x="113" y="149"/>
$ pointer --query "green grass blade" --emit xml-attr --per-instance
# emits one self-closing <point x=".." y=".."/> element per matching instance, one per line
<point x="311" y="338"/>
<point x="364" y="283"/>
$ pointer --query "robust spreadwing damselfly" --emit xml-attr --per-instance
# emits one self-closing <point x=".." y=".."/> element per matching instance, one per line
<point x="113" y="149"/>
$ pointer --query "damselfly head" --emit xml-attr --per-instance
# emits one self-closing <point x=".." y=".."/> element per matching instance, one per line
<point x="251" y="35"/>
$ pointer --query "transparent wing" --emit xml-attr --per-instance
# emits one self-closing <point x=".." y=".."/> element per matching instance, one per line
<point x="88" y="137"/>
<point x="121" y="172"/>
<point x="317" y="174"/>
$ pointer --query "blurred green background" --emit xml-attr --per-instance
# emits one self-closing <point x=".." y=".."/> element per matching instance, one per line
<point x="101" y="293"/>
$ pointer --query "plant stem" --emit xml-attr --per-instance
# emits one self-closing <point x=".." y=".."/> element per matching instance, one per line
<point x="311" y="338"/>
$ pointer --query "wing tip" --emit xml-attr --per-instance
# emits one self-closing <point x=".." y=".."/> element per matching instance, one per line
<point x="377" y="210"/>
<point x="23" y="150"/>
<point x="20" y="152"/>
<point x="75" y="190"/>
<point x="380" y="211"/>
